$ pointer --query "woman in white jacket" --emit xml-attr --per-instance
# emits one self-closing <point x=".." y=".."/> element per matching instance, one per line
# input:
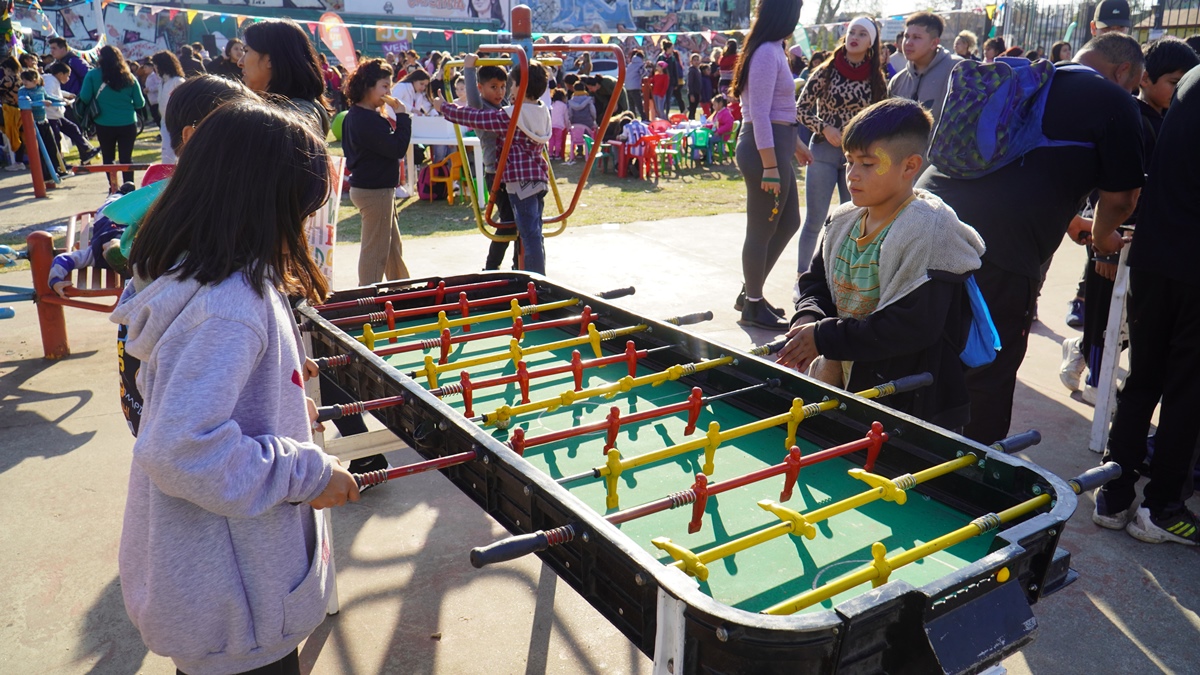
<point x="411" y="92"/>
<point x="171" y="73"/>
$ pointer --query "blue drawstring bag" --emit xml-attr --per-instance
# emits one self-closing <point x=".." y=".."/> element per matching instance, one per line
<point x="983" y="342"/>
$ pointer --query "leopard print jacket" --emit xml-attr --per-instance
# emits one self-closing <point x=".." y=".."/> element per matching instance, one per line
<point x="829" y="99"/>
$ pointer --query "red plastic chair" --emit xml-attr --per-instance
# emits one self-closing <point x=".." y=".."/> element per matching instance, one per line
<point x="659" y="126"/>
<point x="648" y="160"/>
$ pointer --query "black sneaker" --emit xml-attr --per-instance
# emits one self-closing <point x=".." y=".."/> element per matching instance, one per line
<point x="1109" y="518"/>
<point x="1182" y="527"/>
<point x="1075" y="316"/>
<point x="756" y="313"/>
<point x="740" y="303"/>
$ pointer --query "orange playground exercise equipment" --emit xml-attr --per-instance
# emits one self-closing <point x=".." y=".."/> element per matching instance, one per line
<point x="521" y="53"/>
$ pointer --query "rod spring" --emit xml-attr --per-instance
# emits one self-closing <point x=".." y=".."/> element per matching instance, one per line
<point x="682" y="498"/>
<point x="812" y="410"/>
<point x="432" y="343"/>
<point x="355" y="408"/>
<point x="451" y="389"/>
<point x="376" y="317"/>
<point x="560" y="535"/>
<point x="905" y="482"/>
<point x="372" y="478"/>
<point x="689" y="369"/>
<point x="366" y="302"/>
<point x="986" y="522"/>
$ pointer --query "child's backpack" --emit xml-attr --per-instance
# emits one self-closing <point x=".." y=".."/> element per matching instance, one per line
<point x="992" y="115"/>
<point x="982" y="339"/>
<point x="427" y="189"/>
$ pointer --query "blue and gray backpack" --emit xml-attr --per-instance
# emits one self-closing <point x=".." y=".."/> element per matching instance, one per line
<point x="993" y="115"/>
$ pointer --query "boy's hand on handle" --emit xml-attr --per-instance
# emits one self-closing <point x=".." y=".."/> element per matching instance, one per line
<point x="801" y="347"/>
<point x="469" y="61"/>
<point x="341" y="488"/>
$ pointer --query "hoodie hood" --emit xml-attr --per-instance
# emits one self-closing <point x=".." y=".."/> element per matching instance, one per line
<point x="149" y="308"/>
<point x="926" y="237"/>
<point x="579" y="101"/>
<point x="534" y="121"/>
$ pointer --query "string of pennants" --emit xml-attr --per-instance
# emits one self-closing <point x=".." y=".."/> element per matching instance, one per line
<point x="313" y="26"/>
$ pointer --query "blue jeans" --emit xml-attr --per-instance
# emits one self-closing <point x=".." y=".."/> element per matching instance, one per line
<point x="827" y="171"/>
<point x="528" y="214"/>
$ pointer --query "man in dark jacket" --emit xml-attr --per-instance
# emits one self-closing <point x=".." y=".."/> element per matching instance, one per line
<point x="191" y="64"/>
<point x="695" y="85"/>
<point x="63" y="54"/>
<point x="675" y="74"/>
<point x="602" y="88"/>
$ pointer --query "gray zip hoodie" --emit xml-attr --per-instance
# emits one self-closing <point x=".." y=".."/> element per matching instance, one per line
<point x="219" y="570"/>
<point x="927" y="87"/>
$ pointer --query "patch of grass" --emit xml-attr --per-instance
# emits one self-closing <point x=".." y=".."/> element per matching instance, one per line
<point x="692" y="191"/>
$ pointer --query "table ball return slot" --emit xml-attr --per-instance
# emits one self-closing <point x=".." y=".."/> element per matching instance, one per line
<point x="725" y="513"/>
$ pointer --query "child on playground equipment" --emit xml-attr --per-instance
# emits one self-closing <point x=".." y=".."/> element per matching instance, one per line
<point x="102" y="251"/>
<point x="486" y="88"/>
<point x="32" y="95"/>
<point x="526" y="173"/>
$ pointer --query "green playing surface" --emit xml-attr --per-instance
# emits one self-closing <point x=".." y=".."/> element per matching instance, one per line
<point x="753" y="579"/>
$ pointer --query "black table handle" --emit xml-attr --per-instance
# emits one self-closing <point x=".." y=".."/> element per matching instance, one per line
<point x="1093" y="478"/>
<point x="1018" y="442"/>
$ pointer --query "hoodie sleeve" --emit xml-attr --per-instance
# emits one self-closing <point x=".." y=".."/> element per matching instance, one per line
<point x="192" y="448"/>
<point x="907" y="326"/>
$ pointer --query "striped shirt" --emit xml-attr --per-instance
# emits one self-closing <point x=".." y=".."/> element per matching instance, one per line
<point x="856" y="273"/>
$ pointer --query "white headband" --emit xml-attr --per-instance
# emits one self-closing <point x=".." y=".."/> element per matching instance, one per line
<point x="867" y="24"/>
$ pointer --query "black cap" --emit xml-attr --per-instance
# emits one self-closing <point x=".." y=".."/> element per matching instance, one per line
<point x="1112" y="13"/>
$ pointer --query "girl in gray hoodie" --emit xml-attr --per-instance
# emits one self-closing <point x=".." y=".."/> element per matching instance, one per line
<point x="224" y="557"/>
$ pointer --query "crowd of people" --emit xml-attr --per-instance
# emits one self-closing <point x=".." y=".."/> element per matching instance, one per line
<point x="955" y="199"/>
<point x="936" y="221"/>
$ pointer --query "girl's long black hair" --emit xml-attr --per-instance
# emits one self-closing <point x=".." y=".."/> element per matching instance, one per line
<point x="113" y="69"/>
<point x="251" y="175"/>
<point x="774" y="21"/>
<point x="295" y="72"/>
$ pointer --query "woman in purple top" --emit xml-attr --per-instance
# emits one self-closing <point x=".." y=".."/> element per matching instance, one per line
<point x="765" y="148"/>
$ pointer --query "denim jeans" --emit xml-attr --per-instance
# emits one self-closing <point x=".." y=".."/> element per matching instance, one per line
<point x="827" y="171"/>
<point x="528" y="214"/>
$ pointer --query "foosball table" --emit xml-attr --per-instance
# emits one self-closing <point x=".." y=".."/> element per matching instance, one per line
<point x="726" y="514"/>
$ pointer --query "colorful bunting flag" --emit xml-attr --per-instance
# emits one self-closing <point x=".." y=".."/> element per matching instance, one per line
<point x="191" y="15"/>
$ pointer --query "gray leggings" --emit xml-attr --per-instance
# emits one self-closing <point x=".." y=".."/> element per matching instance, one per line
<point x="767" y="236"/>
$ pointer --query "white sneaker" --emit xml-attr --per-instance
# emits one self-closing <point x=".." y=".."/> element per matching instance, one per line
<point x="1090" y="394"/>
<point x="15" y="167"/>
<point x="1111" y="521"/>
<point x="1073" y="363"/>
<point x="1182" y="529"/>
<point x="401" y="192"/>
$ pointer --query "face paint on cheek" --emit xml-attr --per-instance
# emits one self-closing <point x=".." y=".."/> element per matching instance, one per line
<point x="885" y="161"/>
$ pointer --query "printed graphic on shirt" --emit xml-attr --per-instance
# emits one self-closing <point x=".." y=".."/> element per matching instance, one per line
<point x="127" y="366"/>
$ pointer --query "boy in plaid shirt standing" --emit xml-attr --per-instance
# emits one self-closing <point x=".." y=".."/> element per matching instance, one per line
<point x="526" y="176"/>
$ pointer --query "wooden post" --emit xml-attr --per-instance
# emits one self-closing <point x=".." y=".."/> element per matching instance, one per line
<point x="33" y="151"/>
<point x="51" y="319"/>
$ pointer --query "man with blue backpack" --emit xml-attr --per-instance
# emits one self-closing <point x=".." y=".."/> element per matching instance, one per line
<point x="1007" y="131"/>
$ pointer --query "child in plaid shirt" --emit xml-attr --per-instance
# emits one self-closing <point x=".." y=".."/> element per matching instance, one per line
<point x="526" y="176"/>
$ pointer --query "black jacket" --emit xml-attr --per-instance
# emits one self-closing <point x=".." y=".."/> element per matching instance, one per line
<point x="373" y="148"/>
<point x="925" y="331"/>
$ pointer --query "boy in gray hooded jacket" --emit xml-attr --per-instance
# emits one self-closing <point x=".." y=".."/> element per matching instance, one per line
<point x="926" y="73"/>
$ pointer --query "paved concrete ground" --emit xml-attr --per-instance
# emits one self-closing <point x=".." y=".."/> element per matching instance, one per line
<point x="411" y="603"/>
